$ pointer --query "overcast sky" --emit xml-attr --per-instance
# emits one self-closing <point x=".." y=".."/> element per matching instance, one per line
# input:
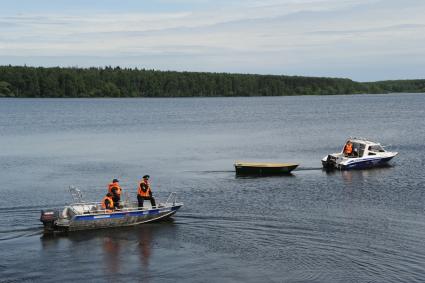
<point x="364" y="40"/>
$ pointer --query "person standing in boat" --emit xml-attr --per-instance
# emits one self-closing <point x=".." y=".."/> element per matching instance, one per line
<point x="144" y="192"/>
<point x="108" y="203"/>
<point x="114" y="188"/>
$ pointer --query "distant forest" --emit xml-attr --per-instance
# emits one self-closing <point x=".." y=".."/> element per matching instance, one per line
<point x="23" y="81"/>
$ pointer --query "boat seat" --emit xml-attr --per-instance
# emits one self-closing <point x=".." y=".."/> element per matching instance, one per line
<point x="66" y="213"/>
<point x="83" y="208"/>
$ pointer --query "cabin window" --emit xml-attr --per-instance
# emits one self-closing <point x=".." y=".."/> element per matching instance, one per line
<point x="376" y="148"/>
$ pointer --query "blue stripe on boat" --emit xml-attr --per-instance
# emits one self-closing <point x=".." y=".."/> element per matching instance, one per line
<point x="367" y="163"/>
<point x="123" y="214"/>
<point x="368" y="159"/>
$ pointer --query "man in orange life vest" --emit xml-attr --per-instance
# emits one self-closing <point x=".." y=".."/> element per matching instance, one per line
<point x="348" y="149"/>
<point x="144" y="192"/>
<point x="115" y="190"/>
<point x="107" y="202"/>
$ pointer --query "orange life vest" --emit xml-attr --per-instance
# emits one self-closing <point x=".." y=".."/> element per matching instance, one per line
<point x="348" y="149"/>
<point x="111" y="202"/>
<point x="146" y="186"/>
<point x="116" y="186"/>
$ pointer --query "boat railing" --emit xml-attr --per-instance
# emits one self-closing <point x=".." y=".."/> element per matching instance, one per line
<point x="171" y="198"/>
<point x="86" y="203"/>
<point x="76" y="194"/>
<point x="107" y="211"/>
<point x="90" y="208"/>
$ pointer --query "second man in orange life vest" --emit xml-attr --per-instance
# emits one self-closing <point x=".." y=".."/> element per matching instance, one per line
<point x="144" y="192"/>
<point x="108" y="203"/>
<point x="115" y="189"/>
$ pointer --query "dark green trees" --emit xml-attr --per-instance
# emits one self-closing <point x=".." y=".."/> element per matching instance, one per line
<point x="23" y="81"/>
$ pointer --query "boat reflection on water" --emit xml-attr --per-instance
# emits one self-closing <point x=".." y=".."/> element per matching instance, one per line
<point x="354" y="176"/>
<point x="113" y="254"/>
<point x="145" y="246"/>
<point x="113" y="250"/>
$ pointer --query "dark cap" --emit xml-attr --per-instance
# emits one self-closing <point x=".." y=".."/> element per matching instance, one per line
<point x="146" y="177"/>
<point x="115" y="181"/>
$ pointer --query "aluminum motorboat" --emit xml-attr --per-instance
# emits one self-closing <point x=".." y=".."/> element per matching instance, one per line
<point x="363" y="154"/>
<point x="81" y="215"/>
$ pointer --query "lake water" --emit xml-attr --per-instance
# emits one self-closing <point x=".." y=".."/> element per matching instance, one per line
<point x="313" y="226"/>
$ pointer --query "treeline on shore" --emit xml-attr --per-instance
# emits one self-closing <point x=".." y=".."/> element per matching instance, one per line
<point x="23" y="81"/>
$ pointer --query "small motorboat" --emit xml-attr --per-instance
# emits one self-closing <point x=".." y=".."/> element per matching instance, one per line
<point x="82" y="215"/>
<point x="362" y="154"/>
<point x="259" y="168"/>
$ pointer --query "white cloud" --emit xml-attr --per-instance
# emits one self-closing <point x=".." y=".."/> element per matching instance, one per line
<point x="315" y="37"/>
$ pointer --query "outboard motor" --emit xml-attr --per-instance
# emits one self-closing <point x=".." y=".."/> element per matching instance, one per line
<point x="329" y="163"/>
<point x="49" y="217"/>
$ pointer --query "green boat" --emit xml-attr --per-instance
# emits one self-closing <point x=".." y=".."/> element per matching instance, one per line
<point x="262" y="168"/>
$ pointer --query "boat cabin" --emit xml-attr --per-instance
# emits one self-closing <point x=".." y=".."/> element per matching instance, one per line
<point x="363" y="148"/>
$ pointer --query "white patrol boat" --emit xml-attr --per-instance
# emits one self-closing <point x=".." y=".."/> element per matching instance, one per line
<point x="364" y="154"/>
<point x="82" y="215"/>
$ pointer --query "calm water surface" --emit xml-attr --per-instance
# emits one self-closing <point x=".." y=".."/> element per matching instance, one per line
<point x="313" y="226"/>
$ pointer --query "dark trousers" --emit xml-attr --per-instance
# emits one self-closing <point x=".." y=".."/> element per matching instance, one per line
<point x="116" y="199"/>
<point x="140" y="200"/>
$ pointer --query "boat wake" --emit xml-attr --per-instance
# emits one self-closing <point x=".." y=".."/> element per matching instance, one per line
<point x="6" y="235"/>
<point x="23" y="224"/>
<point x="306" y="247"/>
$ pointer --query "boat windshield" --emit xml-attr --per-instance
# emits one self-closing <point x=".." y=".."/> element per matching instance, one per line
<point x="358" y="149"/>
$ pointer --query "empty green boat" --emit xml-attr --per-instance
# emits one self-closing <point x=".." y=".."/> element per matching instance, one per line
<point x="263" y="168"/>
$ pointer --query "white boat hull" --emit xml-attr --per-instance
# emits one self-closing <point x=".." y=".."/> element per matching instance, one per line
<point x="344" y="163"/>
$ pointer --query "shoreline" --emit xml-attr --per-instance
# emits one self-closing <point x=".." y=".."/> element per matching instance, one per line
<point x="207" y="97"/>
